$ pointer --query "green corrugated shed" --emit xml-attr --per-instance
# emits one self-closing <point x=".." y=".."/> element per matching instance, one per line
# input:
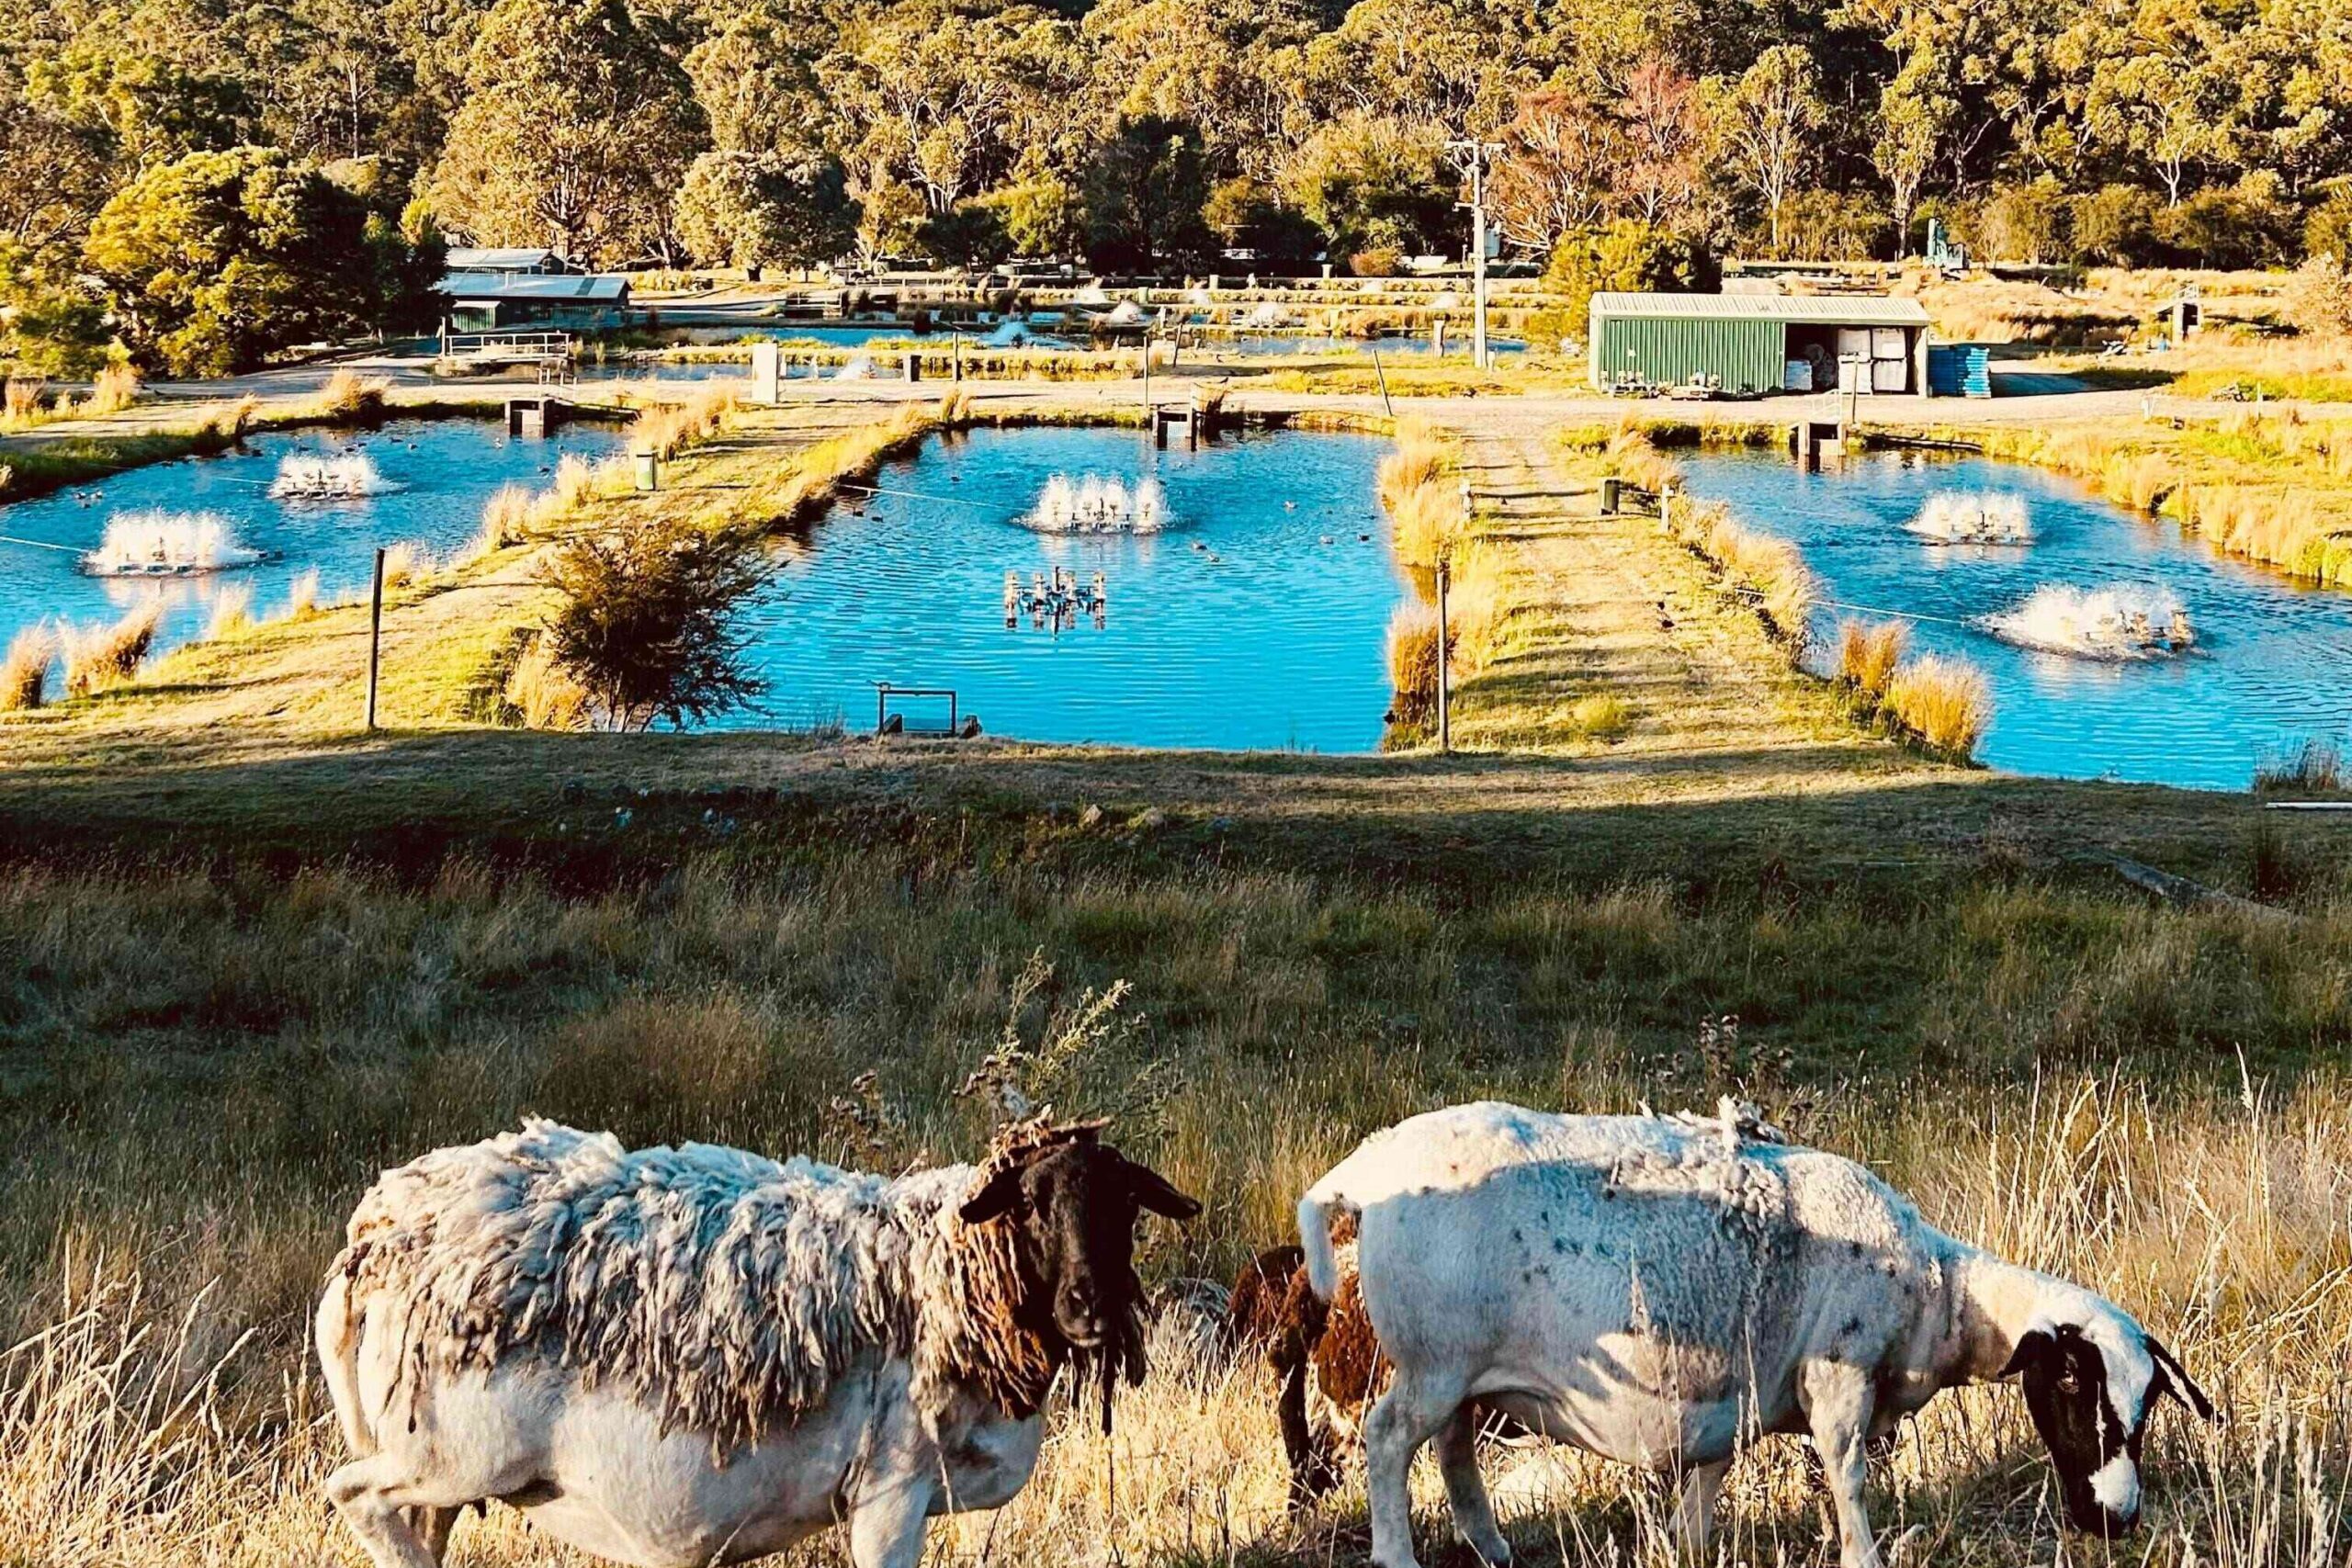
<point x="1747" y="355"/>
<point x="1744" y="341"/>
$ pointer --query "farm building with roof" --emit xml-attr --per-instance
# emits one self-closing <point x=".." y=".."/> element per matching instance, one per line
<point x="1749" y="343"/>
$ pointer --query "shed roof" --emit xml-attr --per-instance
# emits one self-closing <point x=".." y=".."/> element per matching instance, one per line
<point x="499" y="258"/>
<point x="1824" y="310"/>
<point x="593" y="289"/>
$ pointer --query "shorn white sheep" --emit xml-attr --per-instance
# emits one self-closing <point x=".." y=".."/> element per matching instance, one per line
<point x="1661" y="1291"/>
<point x="694" y="1356"/>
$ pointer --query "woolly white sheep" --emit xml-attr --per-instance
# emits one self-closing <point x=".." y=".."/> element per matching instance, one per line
<point x="692" y="1356"/>
<point x="1661" y="1291"/>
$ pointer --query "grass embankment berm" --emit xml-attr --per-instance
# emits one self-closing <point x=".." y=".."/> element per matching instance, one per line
<point x="51" y="457"/>
<point x="253" y="963"/>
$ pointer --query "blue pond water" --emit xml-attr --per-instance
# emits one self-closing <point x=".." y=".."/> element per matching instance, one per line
<point x="1237" y="628"/>
<point x="445" y="471"/>
<point x="2269" y="669"/>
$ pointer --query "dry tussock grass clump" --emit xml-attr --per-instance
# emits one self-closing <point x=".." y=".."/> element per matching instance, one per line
<point x="114" y="388"/>
<point x="301" y="597"/>
<point x="232" y="614"/>
<point x="20" y="403"/>
<point x="667" y="429"/>
<point x="507" y="520"/>
<point x="228" y="424"/>
<point x="24" y="672"/>
<point x="543" y="694"/>
<point x="406" y="563"/>
<point x="1421" y="486"/>
<point x="102" y="657"/>
<point x="1947" y="703"/>
<point x="1635" y="458"/>
<point x="348" y="395"/>
<point x="1867" y="654"/>
<point x="1412" y="664"/>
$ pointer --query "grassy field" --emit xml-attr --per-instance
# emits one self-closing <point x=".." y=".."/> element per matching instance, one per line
<point x="253" y="955"/>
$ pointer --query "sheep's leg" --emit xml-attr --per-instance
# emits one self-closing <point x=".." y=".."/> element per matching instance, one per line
<point x="1838" y="1402"/>
<point x="1407" y="1415"/>
<point x="1694" y="1511"/>
<point x="1466" y="1489"/>
<point x="378" y="1500"/>
<point x="1298" y="1438"/>
<point x="432" y="1527"/>
<point x="886" y="1526"/>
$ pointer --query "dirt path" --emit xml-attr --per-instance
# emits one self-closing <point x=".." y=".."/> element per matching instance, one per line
<point x="1611" y="608"/>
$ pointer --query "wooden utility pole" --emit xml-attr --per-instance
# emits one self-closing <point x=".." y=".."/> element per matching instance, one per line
<point x="1470" y="157"/>
<point x="374" y="632"/>
<point x="1444" y="674"/>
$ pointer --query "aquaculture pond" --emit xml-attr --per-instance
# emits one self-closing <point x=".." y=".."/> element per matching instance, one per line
<point x="301" y="502"/>
<point x="2116" y="647"/>
<point x="1255" y="616"/>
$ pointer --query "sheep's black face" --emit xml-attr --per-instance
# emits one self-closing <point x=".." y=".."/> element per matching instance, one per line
<point x="2093" y="1429"/>
<point x="1076" y="1203"/>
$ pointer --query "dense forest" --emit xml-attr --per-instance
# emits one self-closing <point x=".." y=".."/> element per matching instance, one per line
<point x="206" y="176"/>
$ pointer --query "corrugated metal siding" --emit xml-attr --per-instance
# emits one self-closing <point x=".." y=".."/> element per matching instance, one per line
<point x="1748" y="356"/>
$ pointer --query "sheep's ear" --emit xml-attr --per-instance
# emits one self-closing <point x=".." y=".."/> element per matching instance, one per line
<point x="997" y="1198"/>
<point x="2030" y="1351"/>
<point x="2172" y="1378"/>
<point x="1152" y="1192"/>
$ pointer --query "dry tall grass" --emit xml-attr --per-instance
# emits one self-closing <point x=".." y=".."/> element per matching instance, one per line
<point x="506" y="519"/>
<point x="1947" y="703"/>
<point x="543" y="694"/>
<point x="2268" y="487"/>
<point x="667" y="429"/>
<point x="109" y="654"/>
<point x="24" y="672"/>
<point x="1420" y="485"/>
<point x="1766" y="571"/>
<point x="349" y="395"/>
<point x="1412" y="664"/>
<point x="115" y="389"/>
<point x="406" y="563"/>
<point x="20" y="402"/>
<point x="1867" y="654"/>
<point x="232" y="614"/>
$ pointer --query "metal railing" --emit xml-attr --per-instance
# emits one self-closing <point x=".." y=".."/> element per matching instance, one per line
<point x="541" y="345"/>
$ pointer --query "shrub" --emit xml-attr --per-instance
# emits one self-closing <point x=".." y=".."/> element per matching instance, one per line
<point x="24" y="673"/>
<point x="108" y="655"/>
<point x="647" y="623"/>
<point x="1625" y="255"/>
<point x="2024" y="222"/>
<point x="1827" y="225"/>
<point x="2317" y="300"/>
<point x="2243" y="225"/>
<point x="2327" y="230"/>
<point x="2116" y="226"/>
<point x="1944" y="701"/>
